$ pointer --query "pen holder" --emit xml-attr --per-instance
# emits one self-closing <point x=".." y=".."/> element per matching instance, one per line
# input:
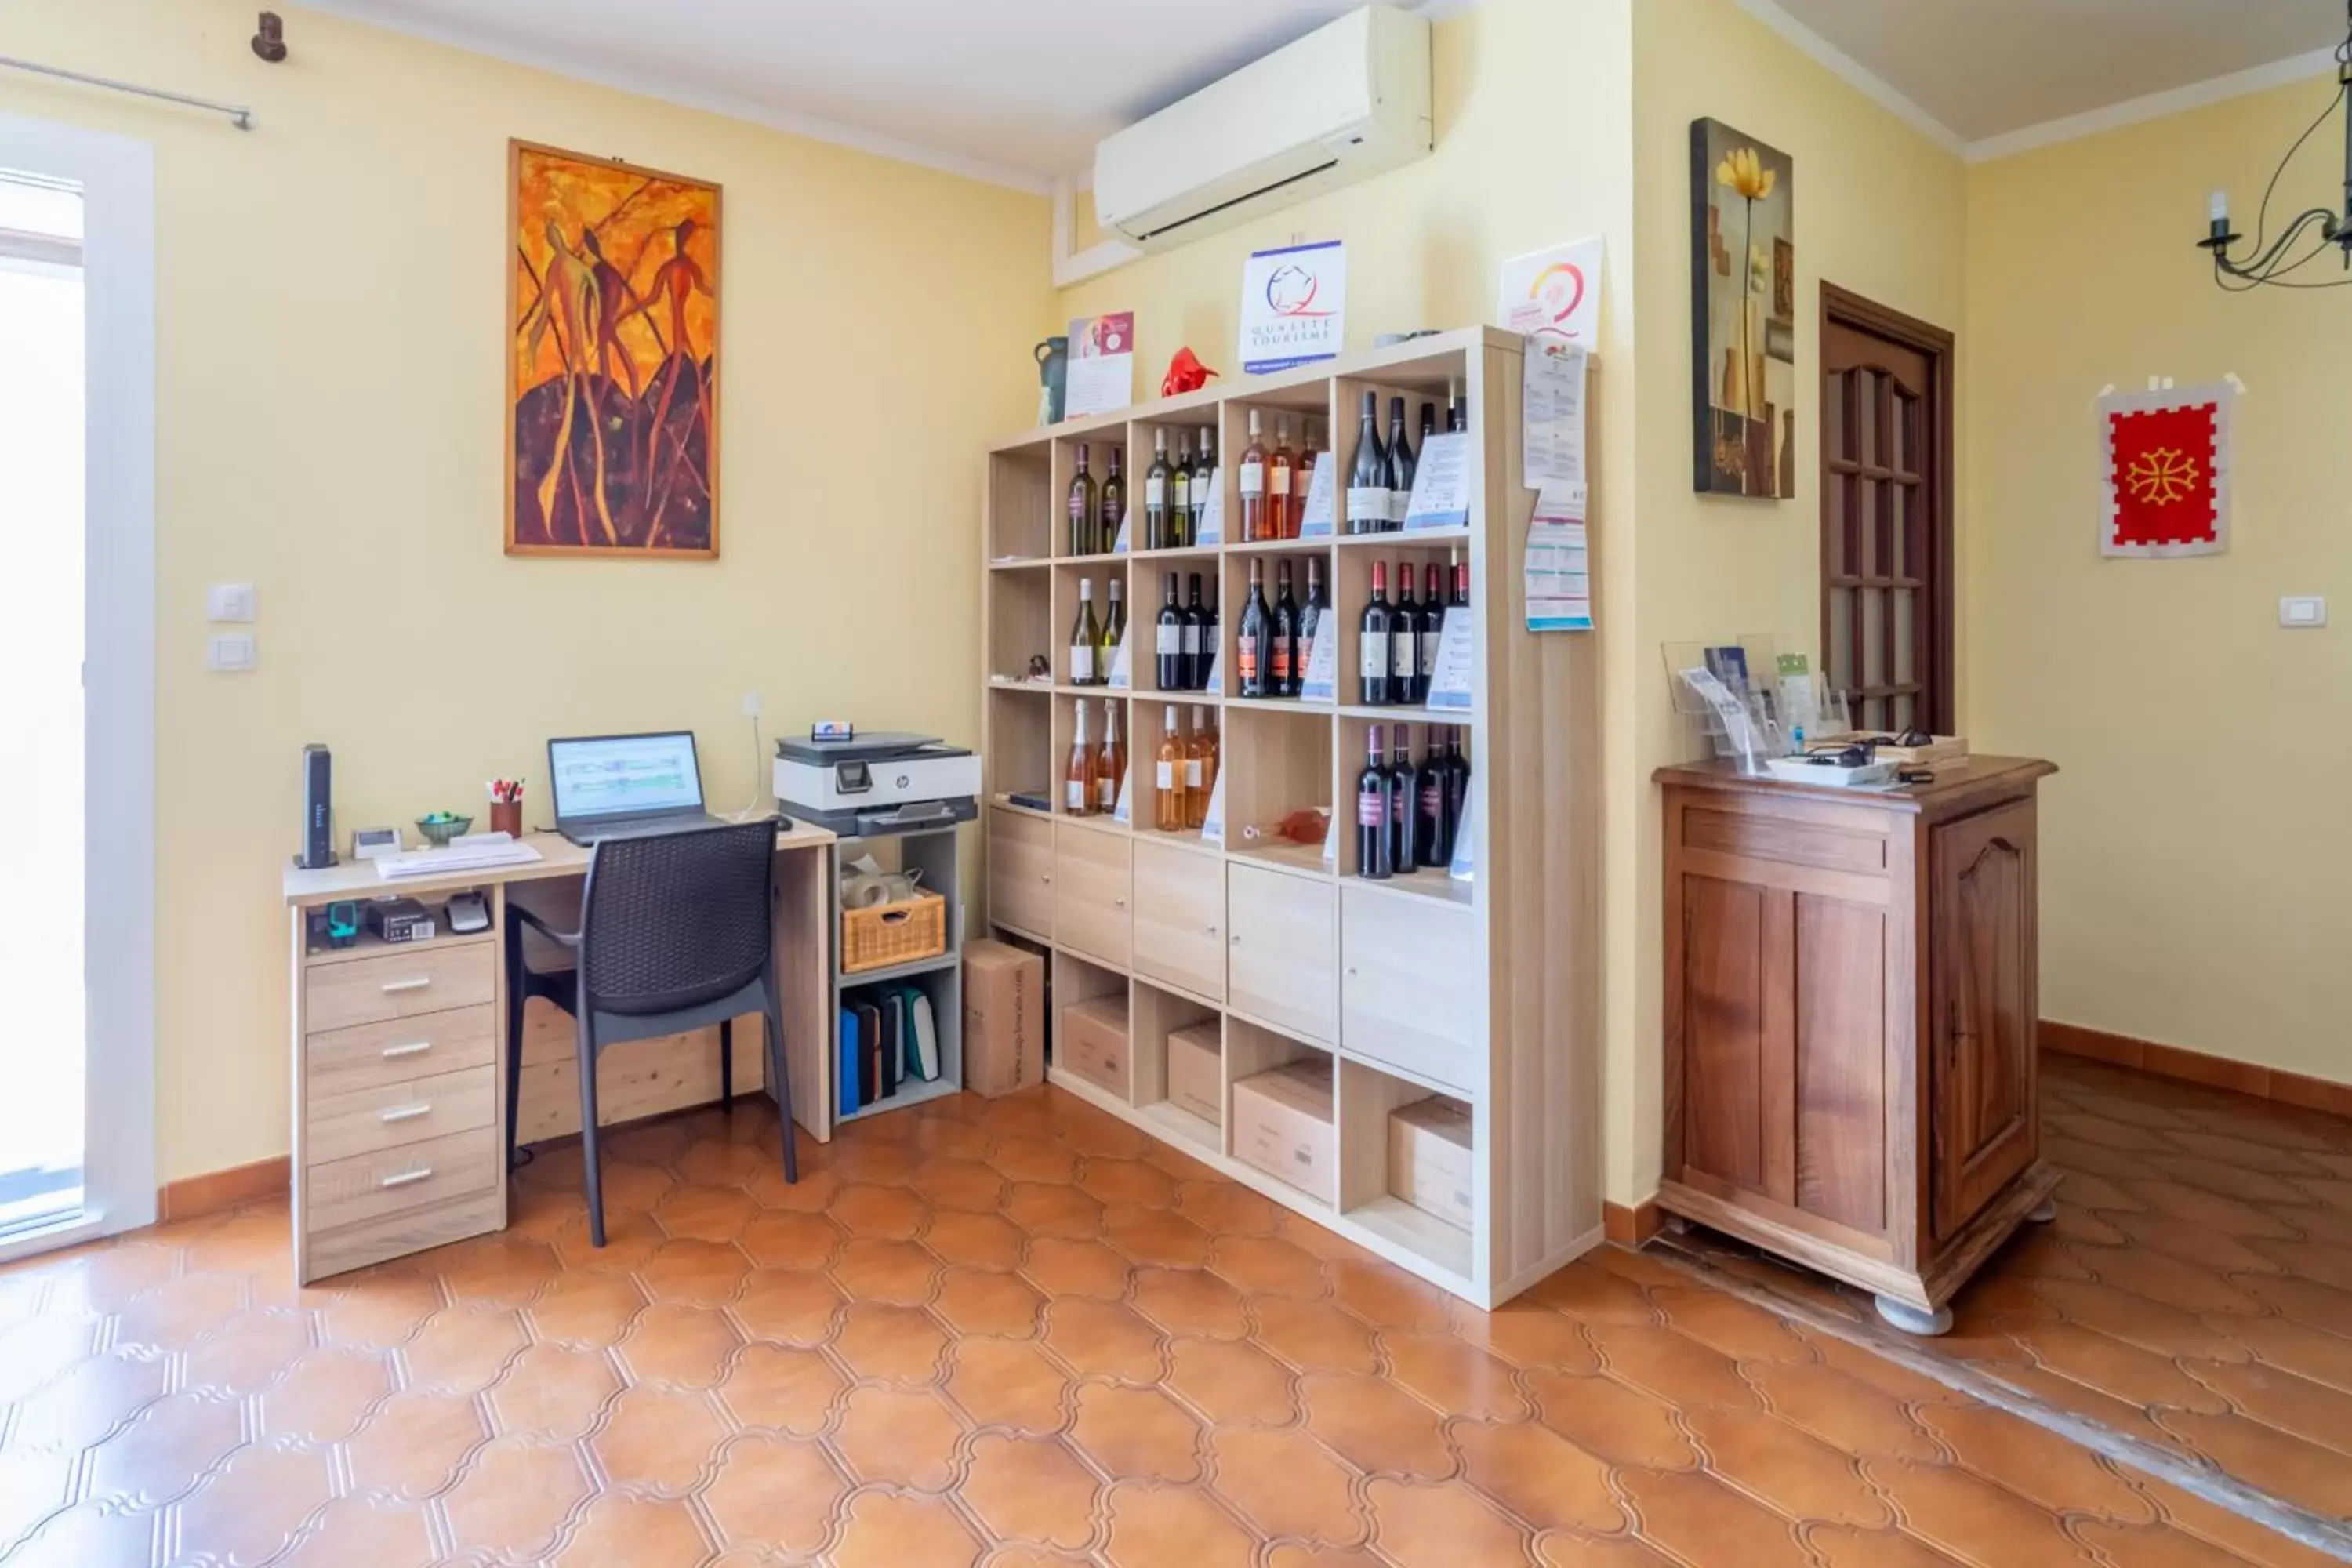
<point x="506" y="816"/>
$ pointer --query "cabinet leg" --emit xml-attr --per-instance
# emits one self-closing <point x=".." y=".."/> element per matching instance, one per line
<point x="1912" y="1320"/>
<point x="2044" y="1214"/>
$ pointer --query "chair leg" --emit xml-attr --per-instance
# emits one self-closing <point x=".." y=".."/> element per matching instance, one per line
<point x="779" y="1083"/>
<point x="727" y="1064"/>
<point x="589" y="1169"/>
<point x="515" y="1003"/>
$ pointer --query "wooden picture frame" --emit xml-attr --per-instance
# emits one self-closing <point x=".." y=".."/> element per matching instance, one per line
<point x="638" y="267"/>
<point x="1743" y="380"/>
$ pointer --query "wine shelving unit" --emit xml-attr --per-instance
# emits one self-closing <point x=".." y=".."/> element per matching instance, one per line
<point x="1486" y="989"/>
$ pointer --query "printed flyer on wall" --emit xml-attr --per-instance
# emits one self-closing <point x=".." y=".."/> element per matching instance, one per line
<point x="1294" y="306"/>
<point x="1101" y="375"/>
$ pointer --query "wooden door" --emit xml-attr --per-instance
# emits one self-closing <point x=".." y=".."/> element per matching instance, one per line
<point x="1886" y="514"/>
<point x="1180" y="918"/>
<point x="1092" y="879"/>
<point x="1982" y="1098"/>
<point x="1283" y="954"/>
<point x="1021" y="873"/>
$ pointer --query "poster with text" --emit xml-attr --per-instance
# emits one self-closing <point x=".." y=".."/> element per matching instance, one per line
<point x="1553" y="294"/>
<point x="1294" y="306"/>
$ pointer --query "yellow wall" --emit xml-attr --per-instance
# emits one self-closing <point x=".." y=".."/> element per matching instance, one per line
<point x="2193" y="861"/>
<point x="329" y="419"/>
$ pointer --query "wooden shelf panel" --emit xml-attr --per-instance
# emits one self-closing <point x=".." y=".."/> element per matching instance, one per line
<point x="1281" y="855"/>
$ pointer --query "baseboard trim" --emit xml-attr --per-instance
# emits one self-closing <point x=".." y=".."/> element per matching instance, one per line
<point x="2196" y="1067"/>
<point x="1632" y="1227"/>
<point x="217" y="1190"/>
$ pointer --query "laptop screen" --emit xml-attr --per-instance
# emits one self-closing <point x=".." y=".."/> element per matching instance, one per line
<point x="623" y="775"/>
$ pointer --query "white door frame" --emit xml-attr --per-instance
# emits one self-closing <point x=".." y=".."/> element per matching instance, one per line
<point x="117" y="176"/>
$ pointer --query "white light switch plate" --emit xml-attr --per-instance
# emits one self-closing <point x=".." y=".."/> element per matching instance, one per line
<point x="229" y="602"/>
<point x="2303" y="612"/>
<point x="231" y="655"/>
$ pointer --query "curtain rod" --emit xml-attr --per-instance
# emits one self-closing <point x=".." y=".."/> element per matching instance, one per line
<point x="239" y="116"/>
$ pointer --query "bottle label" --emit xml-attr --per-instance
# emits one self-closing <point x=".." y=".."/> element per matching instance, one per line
<point x="1077" y="508"/>
<point x="1366" y="504"/>
<point x="1248" y="661"/>
<point x="1281" y="484"/>
<point x="1155" y="490"/>
<point x="1375" y="665"/>
<point x="1282" y="660"/>
<point x="1188" y="641"/>
<point x="1075" y="797"/>
<point x="1429" y="641"/>
<point x="1179" y="495"/>
<point x="1253" y="480"/>
<point x="1302" y="481"/>
<point x="1397" y="502"/>
<point x="1432" y="799"/>
<point x="1404" y="654"/>
<point x="1170" y="641"/>
<point x="1082" y="665"/>
<point x="1107" y="793"/>
<point x="1396" y="809"/>
<point x="1372" y="808"/>
<point x="1166" y="775"/>
<point x="1191" y="773"/>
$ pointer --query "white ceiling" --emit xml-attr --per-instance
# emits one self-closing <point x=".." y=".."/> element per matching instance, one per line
<point x="1017" y="90"/>
<point x="1986" y="68"/>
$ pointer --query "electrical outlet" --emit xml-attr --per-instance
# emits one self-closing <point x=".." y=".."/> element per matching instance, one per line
<point x="750" y="705"/>
<point x="230" y="655"/>
<point x="230" y="602"/>
<point x="2303" y="612"/>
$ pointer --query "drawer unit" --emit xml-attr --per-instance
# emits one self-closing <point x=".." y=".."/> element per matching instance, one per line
<point x="1091" y="891"/>
<point x="1412" y="985"/>
<point x="1180" y="918"/>
<point x="1021" y="872"/>
<point x="372" y="1056"/>
<point x="1283" y="952"/>
<point x="370" y="1241"/>
<point x="367" y="1121"/>
<point x="396" y="1180"/>
<point x="433" y="978"/>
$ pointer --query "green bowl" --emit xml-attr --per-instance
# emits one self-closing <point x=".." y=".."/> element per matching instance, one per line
<point x="440" y="827"/>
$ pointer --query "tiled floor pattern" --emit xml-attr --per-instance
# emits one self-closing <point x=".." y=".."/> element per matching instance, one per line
<point x="1009" y="1331"/>
<point x="2196" y="1290"/>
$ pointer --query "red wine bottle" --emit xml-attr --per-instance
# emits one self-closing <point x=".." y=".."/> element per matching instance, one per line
<point x="1368" y="480"/>
<point x="1401" y="466"/>
<point x="1312" y="616"/>
<point x="1435" y="842"/>
<point x="1404" y="805"/>
<point x="1432" y="628"/>
<point x="1169" y="641"/>
<point x="1374" y="642"/>
<point x="1404" y="639"/>
<point x="1256" y="635"/>
<point x="1194" y="646"/>
<point x="1457" y="793"/>
<point x="1372" y="842"/>
<point x="1289" y="654"/>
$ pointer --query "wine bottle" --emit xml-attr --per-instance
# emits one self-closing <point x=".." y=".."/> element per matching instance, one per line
<point x="1155" y="493"/>
<point x="1081" y="508"/>
<point x="1180" y="491"/>
<point x="1461" y="599"/>
<point x="1255" y="638"/>
<point x="1457" y="409"/>
<point x="1279" y="522"/>
<point x="1254" y="485"/>
<point x="1404" y="639"/>
<point x="1172" y="769"/>
<point x="1372" y="641"/>
<point x="1169" y="668"/>
<point x="1078" y="778"/>
<point x="1404" y="804"/>
<point x="1372" y="842"/>
<point x="1432" y="630"/>
<point x="1428" y="424"/>
<point x="1211" y="631"/>
<point x="1457" y="791"/>
<point x="1367" y="481"/>
<point x="1114" y="628"/>
<point x="1311" y="622"/>
<point x="1114" y="507"/>
<point x="1435" y="831"/>
<point x="1200" y="768"/>
<point x="1283" y="679"/>
<point x="1111" y="763"/>
<point x="1302" y="478"/>
<point x="1194" y="645"/>
<point x="1086" y="636"/>
<point x="1401" y="466"/>
<point x="1204" y="477"/>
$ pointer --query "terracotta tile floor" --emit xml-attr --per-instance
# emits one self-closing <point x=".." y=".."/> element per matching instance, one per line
<point x="1008" y="1331"/>
<point x="2195" y="1292"/>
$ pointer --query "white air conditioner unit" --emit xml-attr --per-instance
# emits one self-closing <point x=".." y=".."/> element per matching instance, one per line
<point x="1349" y="101"/>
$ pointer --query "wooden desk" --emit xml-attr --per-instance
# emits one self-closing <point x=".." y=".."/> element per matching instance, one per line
<point x="400" y="1052"/>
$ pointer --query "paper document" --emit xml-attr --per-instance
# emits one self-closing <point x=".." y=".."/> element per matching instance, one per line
<point x="1213" y="516"/>
<point x="1441" y="484"/>
<point x="1316" y="523"/>
<point x="1554" y="427"/>
<point x="1449" y="683"/>
<point x="1122" y="667"/>
<point x="1321" y="682"/>
<point x="473" y="852"/>
<point x="1558" y="571"/>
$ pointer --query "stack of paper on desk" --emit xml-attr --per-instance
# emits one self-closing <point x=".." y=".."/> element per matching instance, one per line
<point x="475" y="852"/>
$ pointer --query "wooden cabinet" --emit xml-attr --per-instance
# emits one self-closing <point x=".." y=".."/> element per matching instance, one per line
<point x="1021" y="872"/>
<point x="1280" y="965"/>
<point x="1091" y="888"/>
<point x="1411" y="991"/>
<point x="1850" y="1015"/>
<point x="1180" y="918"/>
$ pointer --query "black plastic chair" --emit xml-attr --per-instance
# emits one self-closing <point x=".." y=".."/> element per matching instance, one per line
<point x="676" y="930"/>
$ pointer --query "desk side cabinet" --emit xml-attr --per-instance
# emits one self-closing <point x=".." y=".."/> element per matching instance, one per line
<point x="1850" y="1020"/>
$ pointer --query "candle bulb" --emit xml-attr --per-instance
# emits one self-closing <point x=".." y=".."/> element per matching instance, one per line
<point x="2220" y="210"/>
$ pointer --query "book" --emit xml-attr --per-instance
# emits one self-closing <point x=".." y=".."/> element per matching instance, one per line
<point x="923" y="1036"/>
<point x="847" y="1087"/>
<point x="870" y="1052"/>
<point x="894" y="1038"/>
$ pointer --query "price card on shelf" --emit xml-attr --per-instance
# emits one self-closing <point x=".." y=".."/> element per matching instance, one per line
<point x="1553" y="427"/>
<point x="1318" y="521"/>
<point x="1331" y="840"/>
<point x="1441" y="483"/>
<point x="1449" y="684"/>
<point x="1123" y="812"/>
<point x="1120" y="547"/>
<point x="1466" y="845"/>
<point x="1216" y="680"/>
<point x="1212" y="827"/>
<point x="1559" y="578"/>
<point x="1321" y="682"/>
<point x="1122" y="666"/>
<point x="1213" y="516"/>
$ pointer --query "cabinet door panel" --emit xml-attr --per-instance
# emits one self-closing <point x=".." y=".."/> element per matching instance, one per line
<point x="1180" y="918"/>
<point x="1983" y="1088"/>
<point x="1021" y="872"/>
<point x="1411" y="981"/>
<point x="1840" y="1094"/>
<point x="1282" y="960"/>
<point x="1725" y="974"/>
<point x="1091" y="885"/>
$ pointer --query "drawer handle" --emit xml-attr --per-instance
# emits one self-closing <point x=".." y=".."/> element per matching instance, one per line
<point x="1237" y="939"/>
<point x="1120" y="903"/>
<point x="409" y="1112"/>
<point x="419" y="983"/>
<point x="1045" y="876"/>
<point x="413" y="1048"/>
<point x="1209" y="931"/>
<point x="406" y="1178"/>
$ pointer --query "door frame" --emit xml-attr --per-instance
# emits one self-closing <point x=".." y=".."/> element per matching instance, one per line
<point x="117" y="174"/>
<point x="1939" y="347"/>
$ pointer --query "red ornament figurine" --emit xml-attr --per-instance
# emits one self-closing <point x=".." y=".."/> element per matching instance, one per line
<point x="1185" y="373"/>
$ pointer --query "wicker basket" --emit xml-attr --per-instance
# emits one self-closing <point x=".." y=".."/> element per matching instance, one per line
<point x="886" y="935"/>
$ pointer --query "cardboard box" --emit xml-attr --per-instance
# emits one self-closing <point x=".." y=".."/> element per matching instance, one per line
<point x="1093" y="1043"/>
<point x="1429" y="1158"/>
<point x="1003" y="1017"/>
<point x="1282" y="1124"/>
<point x="1196" y="1072"/>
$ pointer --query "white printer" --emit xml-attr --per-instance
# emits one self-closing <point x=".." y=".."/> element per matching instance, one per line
<point x="879" y="784"/>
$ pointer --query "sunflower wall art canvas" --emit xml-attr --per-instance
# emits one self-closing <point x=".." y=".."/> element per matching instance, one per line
<point x="613" y="359"/>
<point x="1744" y="313"/>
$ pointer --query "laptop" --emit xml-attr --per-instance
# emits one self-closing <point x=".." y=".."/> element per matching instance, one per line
<point x="625" y="786"/>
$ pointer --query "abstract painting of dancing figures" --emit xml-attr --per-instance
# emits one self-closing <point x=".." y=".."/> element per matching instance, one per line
<point x="613" y="374"/>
